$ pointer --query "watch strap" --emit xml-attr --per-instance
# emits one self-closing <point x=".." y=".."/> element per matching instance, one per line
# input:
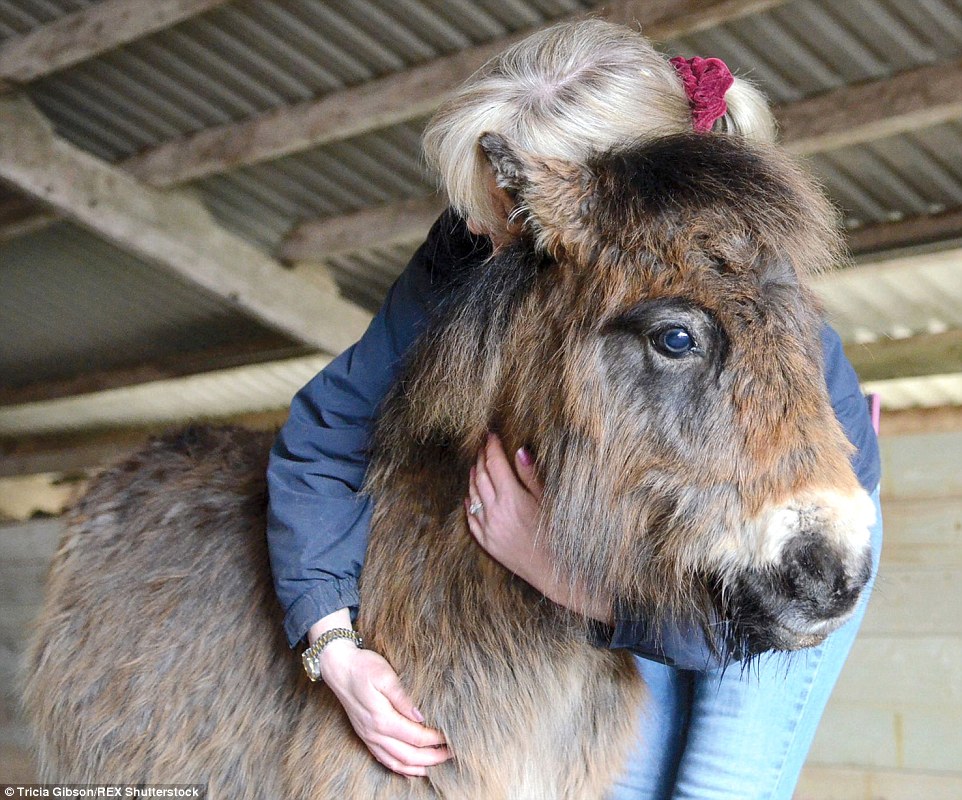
<point x="311" y="655"/>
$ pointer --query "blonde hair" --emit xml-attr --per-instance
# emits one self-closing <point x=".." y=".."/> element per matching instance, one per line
<point x="568" y="91"/>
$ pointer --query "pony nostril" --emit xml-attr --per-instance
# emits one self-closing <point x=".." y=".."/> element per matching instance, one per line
<point x="814" y="575"/>
<point x="809" y="590"/>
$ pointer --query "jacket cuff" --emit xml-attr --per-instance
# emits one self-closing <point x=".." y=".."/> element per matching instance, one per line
<point x="322" y="599"/>
<point x="680" y="645"/>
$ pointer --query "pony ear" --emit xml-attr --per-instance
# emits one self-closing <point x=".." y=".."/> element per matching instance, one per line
<point x="554" y="195"/>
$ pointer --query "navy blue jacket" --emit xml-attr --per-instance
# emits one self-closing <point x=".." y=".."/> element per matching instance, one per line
<point x="318" y="520"/>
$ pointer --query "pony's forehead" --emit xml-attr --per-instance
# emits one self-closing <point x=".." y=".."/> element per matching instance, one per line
<point x="702" y="208"/>
<point x="742" y="288"/>
<point x="690" y="172"/>
<point x="688" y="193"/>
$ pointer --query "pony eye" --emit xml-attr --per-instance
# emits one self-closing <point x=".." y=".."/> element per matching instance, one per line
<point x="673" y="342"/>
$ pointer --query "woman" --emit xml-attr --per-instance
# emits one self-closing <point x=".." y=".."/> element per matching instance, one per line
<point x="707" y="732"/>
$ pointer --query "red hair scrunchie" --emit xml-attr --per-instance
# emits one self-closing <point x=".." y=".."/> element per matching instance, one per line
<point x="706" y="80"/>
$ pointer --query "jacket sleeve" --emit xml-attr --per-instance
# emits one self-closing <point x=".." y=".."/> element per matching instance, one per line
<point x="684" y="645"/>
<point x="318" y="519"/>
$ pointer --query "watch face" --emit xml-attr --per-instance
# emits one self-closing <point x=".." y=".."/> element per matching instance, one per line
<point x="311" y="667"/>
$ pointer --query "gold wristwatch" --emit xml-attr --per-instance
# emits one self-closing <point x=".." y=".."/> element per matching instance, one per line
<point x="311" y="656"/>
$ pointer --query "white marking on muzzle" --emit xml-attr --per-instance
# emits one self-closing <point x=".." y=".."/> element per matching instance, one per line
<point x="842" y="520"/>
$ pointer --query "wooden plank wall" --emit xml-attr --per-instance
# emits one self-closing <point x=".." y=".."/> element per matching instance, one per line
<point x="893" y="730"/>
<point x="25" y="552"/>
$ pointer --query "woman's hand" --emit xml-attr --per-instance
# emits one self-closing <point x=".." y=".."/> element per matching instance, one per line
<point x="507" y="514"/>
<point x="507" y="511"/>
<point x="380" y="711"/>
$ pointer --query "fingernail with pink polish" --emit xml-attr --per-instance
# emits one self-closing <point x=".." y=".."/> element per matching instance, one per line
<point x="417" y="715"/>
<point x="525" y="457"/>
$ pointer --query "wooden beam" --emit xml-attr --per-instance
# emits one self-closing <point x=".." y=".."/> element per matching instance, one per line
<point x="167" y="401"/>
<point x="913" y="357"/>
<point x="66" y="453"/>
<point x="396" y="98"/>
<point x="384" y="225"/>
<point x="79" y="452"/>
<point x="291" y="129"/>
<point x="410" y="220"/>
<point x="19" y="217"/>
<point x="87" y="33"/>
<point x="666" y="19"/>
<point x="872" y="110"/>
<point x="911" y="232"/>
<point x="170" y="229"/>
<point x="914" y="421"/>
<point x="265" y="349"/>
<point x="876" y="265"/>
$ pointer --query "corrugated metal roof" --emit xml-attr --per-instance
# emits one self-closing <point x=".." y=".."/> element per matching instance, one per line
<point x="931" y="391"/>
<point x="264" y="201"/>
<point x="896" y="177"/>
<point x="910" y="296"/>
<point x="810" y="46"/>
<point x="248" y="57"/>
<point x="260" y="387"/>
<point x="22" y="16"/>
<point x="887" y="180"/>
<point x="71" y="303"/>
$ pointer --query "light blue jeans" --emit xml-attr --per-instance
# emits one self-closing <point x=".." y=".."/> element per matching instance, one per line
<point x="734" y="734"/>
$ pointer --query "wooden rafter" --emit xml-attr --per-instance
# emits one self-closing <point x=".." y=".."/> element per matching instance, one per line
<point x="292" y="129"/>
<point x="87" y="33"/>
<point x="913" y="421"/>
<point x="77" y="452"/>
<point x="397" y="98"/>
<point x="80" y="452"/>
<point x="167" y="401"/>
<point x="910" y="232"/>
<point x="91" y="450"/>
<point x="267" y="348"/>
<point x="169" y="229"/>
<point x="849" y="115"/>
<point x="19" y="217"/>
<point x="33" y="455"/>
<point x="911" y="100"/>
<point x="913" y="357"/>
<point x="407" y="220"/>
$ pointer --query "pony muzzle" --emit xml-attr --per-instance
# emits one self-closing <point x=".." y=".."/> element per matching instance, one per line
<point x="809" y="570"/>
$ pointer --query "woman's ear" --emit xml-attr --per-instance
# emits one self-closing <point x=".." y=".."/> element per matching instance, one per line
<point x="502" y="203"/>
<point x="504" y="179"/>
